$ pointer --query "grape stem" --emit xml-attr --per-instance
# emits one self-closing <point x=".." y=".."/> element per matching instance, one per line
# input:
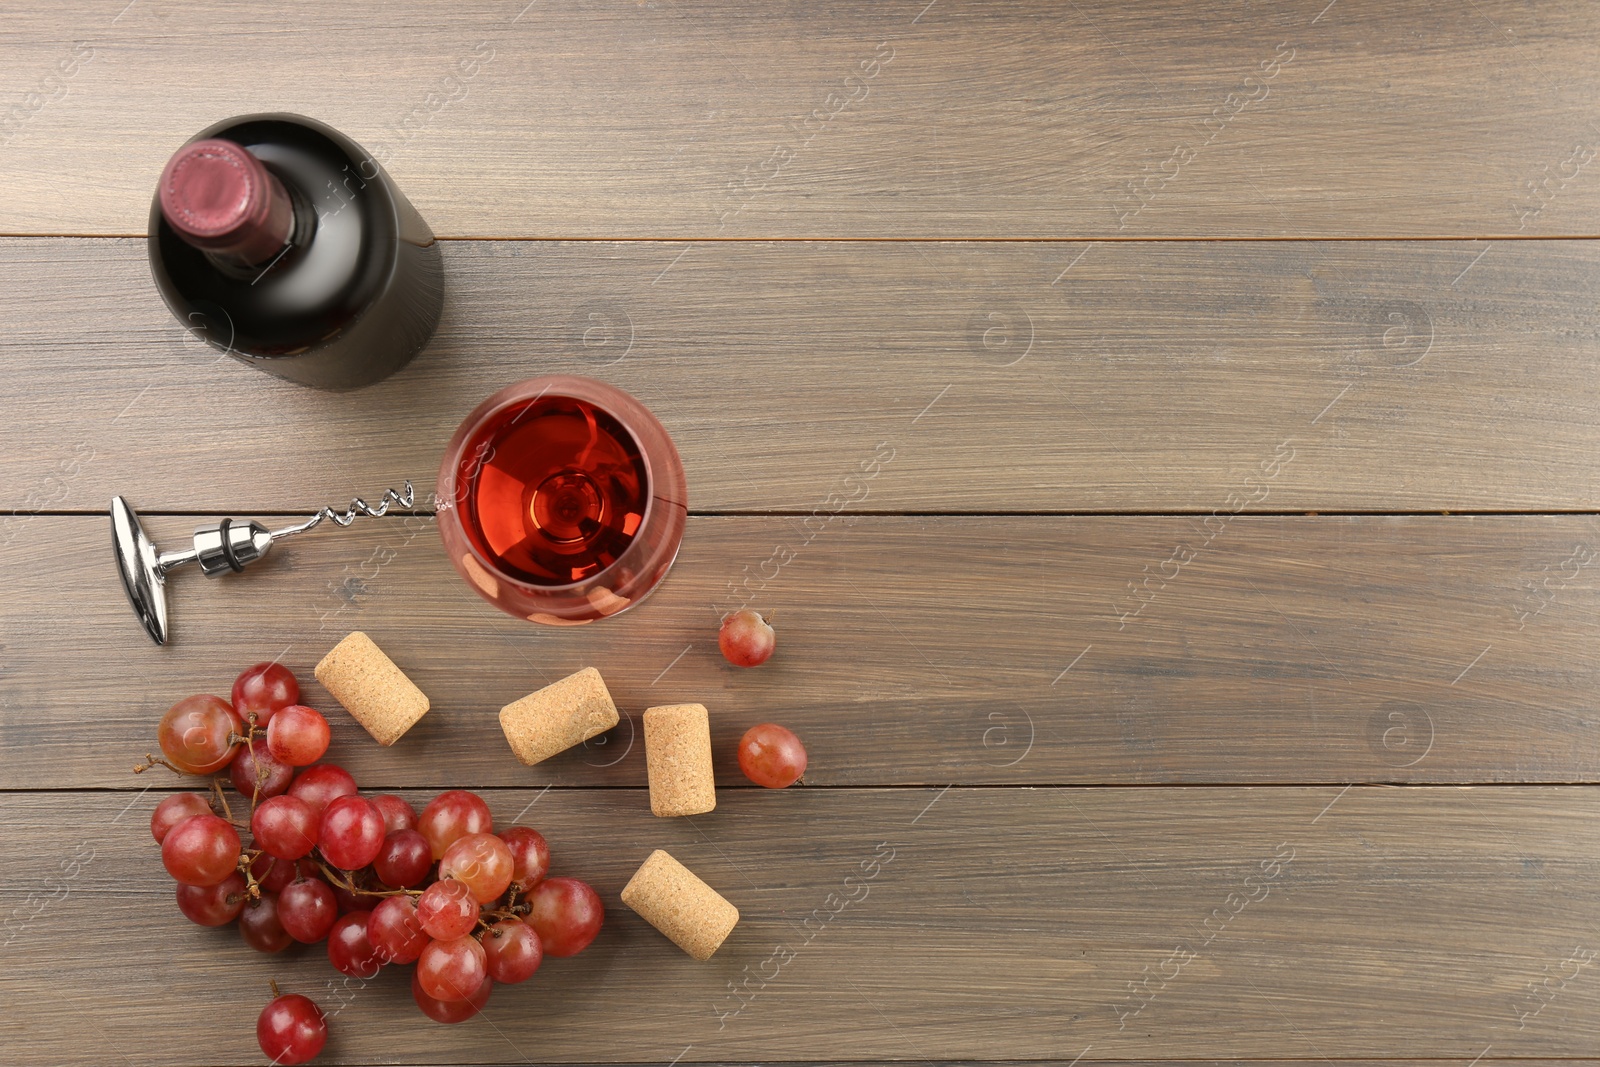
<point x="216" y="788"/>
<point x="249" y="741"/>
<point x="512" y="910"/>
<point x="343" y="880"/>
<point x="247" y="860"/>
<point x="155" y="761"/>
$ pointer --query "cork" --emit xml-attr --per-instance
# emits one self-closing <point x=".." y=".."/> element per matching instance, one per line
<point x="668" y="896"/>
<point x="375" y="692"/>
<point x="560" y="715"/>
<point x="677" y="751"/>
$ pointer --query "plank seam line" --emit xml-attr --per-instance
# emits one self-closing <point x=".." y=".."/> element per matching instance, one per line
<point x="117" y="790"/>
<point x="1072" y="239"/>
<point x="784" y="513"/>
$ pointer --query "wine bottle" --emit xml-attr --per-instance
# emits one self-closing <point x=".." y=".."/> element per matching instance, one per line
<point x="282" y="243"/>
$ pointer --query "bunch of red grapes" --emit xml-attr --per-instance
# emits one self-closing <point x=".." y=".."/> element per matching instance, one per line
<point x="376" y="880"/>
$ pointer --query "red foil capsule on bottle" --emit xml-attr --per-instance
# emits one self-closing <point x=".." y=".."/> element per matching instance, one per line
<point x="219" y="197"/>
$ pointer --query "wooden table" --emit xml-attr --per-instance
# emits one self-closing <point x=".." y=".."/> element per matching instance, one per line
<point x="1206" y="675"/>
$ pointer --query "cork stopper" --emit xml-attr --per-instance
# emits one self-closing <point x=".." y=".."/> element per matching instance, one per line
<point x="375" y="692"/>
<point x="677" y="749"/>
<point x="669" y="896"/>
<point x="560" y="715"/>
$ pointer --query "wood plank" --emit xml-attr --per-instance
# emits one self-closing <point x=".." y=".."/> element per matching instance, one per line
<point x="1000" y="923"/>
<point x="913" y="651"/>
<point x="1147" y="377"/>
<point x="884" y="120"/>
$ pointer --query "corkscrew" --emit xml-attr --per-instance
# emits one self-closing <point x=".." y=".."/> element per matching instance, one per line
<point x="219" y="547"/>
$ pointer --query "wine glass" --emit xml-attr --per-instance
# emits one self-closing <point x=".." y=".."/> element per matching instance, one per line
<point x="562" y="500"/>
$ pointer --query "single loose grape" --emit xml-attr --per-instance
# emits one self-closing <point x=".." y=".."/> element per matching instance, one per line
<point x="746" y="639"/>
<point x="291" y="1029"/>
<point x="771" y="756"/>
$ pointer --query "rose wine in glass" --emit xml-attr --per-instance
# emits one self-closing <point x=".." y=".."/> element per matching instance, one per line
<point x="281" y="242"/>
<point x="562" y="500"/>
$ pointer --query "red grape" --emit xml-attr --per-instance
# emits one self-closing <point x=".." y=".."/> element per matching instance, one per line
<point x="352" y="833"/>
<point x="202" y="850"/>
<point x="404" y="859"/>
<point x="452" y="970"/>
<point x="260" y="927"/>
<point x="453" y="814"/>
<point x="447" y="909"/>
<point x="482" y="861"/>
<point x="217" y="905"/>
<point x="394" y="931"/>
<point x="397" y="814"/>
<point x="512" y="951"/>
<point x="291" y="1029"/>
<point x="197" y="734"/>
<point x="530" y="855"/>
<point x="323" y="783"/>
<point x="746" y="639"/>
<point x="256" y="773"/>
<point x="450" y="1011"/>
<point x="174" y="809"/>
<point x="348" y="948"/>
<point x="274" y="874"/>
<point x="771" y="756"/>
<point x="307" y="910"/>
<point x="298" y="735"/>
<point x="284" y="827"/>
<point x="349" y="901"/>
<point x="264" y="689"/>
<point x="566" y="914"/>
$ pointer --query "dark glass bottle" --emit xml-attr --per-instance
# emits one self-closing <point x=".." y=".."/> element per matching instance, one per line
<point x="280" y="242"/>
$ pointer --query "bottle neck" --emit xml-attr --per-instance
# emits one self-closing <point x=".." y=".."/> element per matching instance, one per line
<point x="217" y="196"/>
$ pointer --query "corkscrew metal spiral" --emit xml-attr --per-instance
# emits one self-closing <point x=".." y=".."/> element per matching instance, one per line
<point x="219" y="548"/>
<point x="403" y="499"/>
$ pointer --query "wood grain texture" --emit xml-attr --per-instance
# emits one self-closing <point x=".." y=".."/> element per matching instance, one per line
<point x="950" y="119"/>
<point x="990" y="923"/>
<point x="912" y="651"/>
<point x="1061" y="377"/>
